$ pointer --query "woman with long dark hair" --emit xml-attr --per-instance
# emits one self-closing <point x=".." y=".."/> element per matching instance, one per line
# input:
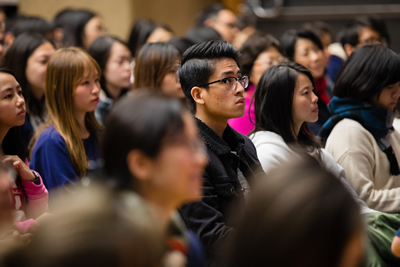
<point x="304" y="47"/>
<point x="27" y="58"/>
<point x="114" y="59"/>
<point x="147" y="31"/>
<point x="28" y="194"/>
<point x="285" y="103"/>
<point x="80" y="28"/>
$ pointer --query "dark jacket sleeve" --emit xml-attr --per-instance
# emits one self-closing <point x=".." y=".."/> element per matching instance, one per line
<point x="205" y="218"/>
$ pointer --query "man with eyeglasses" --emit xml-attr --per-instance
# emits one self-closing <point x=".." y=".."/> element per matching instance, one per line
<point x="214" y="85"/>
<point x="221" y="19"/>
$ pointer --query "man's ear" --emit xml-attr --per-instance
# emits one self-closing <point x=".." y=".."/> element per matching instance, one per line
<point x="139" y="165"/>
<point x="348" y="48"/>
<point x="197" y="95"/>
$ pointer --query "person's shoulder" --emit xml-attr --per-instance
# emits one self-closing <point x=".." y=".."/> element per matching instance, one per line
<point x="348" y="134"/>
<point x="351" y="129"/>
<point x="50" y="136"/>
<point x="349" y="124"/>
<point x="51" y="133"/>
<point x="248" y="145"/>
<point x="267" y="137"/>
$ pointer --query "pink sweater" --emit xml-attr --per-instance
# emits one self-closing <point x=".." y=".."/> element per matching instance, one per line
<point x="243" y="124"/>
<point x="36" y="205"/>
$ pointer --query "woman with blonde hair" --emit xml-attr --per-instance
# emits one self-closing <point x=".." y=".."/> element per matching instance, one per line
<point x="67" y="145"/>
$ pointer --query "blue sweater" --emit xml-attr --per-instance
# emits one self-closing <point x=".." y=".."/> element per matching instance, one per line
<point x="51" y="159"/>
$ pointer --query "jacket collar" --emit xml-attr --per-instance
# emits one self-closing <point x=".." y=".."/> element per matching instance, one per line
<point x="231" y="140"/>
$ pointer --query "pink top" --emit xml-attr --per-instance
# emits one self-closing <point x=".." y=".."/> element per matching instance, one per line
<point x="243" y="124"/>
<point x="37" y="203"/>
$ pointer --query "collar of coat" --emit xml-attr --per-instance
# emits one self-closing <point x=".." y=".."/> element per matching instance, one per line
<point x="231" y="139"/>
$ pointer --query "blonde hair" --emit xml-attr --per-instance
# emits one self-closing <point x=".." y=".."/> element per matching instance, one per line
<point x="65" y="70"/>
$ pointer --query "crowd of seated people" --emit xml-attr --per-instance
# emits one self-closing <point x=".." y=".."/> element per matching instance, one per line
<point x="224" y="147"/>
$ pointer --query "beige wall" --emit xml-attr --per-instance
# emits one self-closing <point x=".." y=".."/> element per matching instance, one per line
<point x="118" y="15"/>
<point x="178" y="14"/>
<point x="115" y="13"/>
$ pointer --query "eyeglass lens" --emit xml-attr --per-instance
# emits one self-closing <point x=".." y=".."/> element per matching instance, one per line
<point x="231" y="82"/>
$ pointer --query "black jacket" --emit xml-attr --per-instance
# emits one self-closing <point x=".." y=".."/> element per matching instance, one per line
<point x="210" y="219"/>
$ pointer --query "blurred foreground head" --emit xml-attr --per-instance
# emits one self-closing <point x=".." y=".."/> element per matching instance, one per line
<point x="150" y="146"/>
<point x="92" y="228"/>
<point x="299" y="215"/>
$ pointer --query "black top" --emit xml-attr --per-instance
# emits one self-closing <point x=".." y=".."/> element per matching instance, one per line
<point x="209" y="218"/>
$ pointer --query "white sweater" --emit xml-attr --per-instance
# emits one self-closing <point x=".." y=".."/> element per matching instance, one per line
<point x="367" y="167"/>
<point x="272" y="151"/>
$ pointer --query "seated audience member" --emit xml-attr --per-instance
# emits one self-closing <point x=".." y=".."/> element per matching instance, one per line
<point x="114" y="59"/>
<point x="247" y="26"/>
<point x="28" y="194"/>
<point x="324" y="33"/>
<point x="151" y="147"/>
<point x="202" y="34"/>
<point x="284" y="104"/>
<point x="359" y="135"/>
<point x="60" y="21"/>
<point x="258" y="53"/>
<point x="81" y="28"/>
<point x="92" y="227"/>
<point x="22" y="24"/>
<point x="147" y="31"/>
<point x="319" y="226"/>
<point x="214" y="85"/>
<point x="181" y="43"/>
<point x="364" y="31"/>
<point x="221" y="19"/>
<point x="360" y="31"/>
<point x="27" y="58"/>
<point x="66" y="146"/>
<point x="304" y="47"/>
<point x="156" y="67"/>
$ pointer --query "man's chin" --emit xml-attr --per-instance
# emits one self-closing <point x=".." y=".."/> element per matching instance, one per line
<point x="239" y="115"/>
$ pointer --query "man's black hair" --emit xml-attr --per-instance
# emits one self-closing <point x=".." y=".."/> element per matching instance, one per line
<point x="289" y="40"/>
<point x="210" y="12"/>
<point x="198" y="64"/>
<point x="349" y="35"/>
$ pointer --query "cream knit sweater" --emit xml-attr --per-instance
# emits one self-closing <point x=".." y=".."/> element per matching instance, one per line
<point x="366" y="166"/>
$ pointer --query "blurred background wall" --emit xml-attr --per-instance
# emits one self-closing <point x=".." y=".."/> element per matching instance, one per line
<point x="118" y="15"/>
<point x="272" y="16"/>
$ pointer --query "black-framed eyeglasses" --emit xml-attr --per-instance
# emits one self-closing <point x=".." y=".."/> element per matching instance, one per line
<point x="230" y="82"/>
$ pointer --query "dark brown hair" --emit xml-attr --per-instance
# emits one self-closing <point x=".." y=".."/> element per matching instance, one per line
<point x="16" y="59"/>
<point x="257" y="43"/>
<point x="154" y="61"/>
<point x="299" y="215"/>
<point x="273" y="102"/>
